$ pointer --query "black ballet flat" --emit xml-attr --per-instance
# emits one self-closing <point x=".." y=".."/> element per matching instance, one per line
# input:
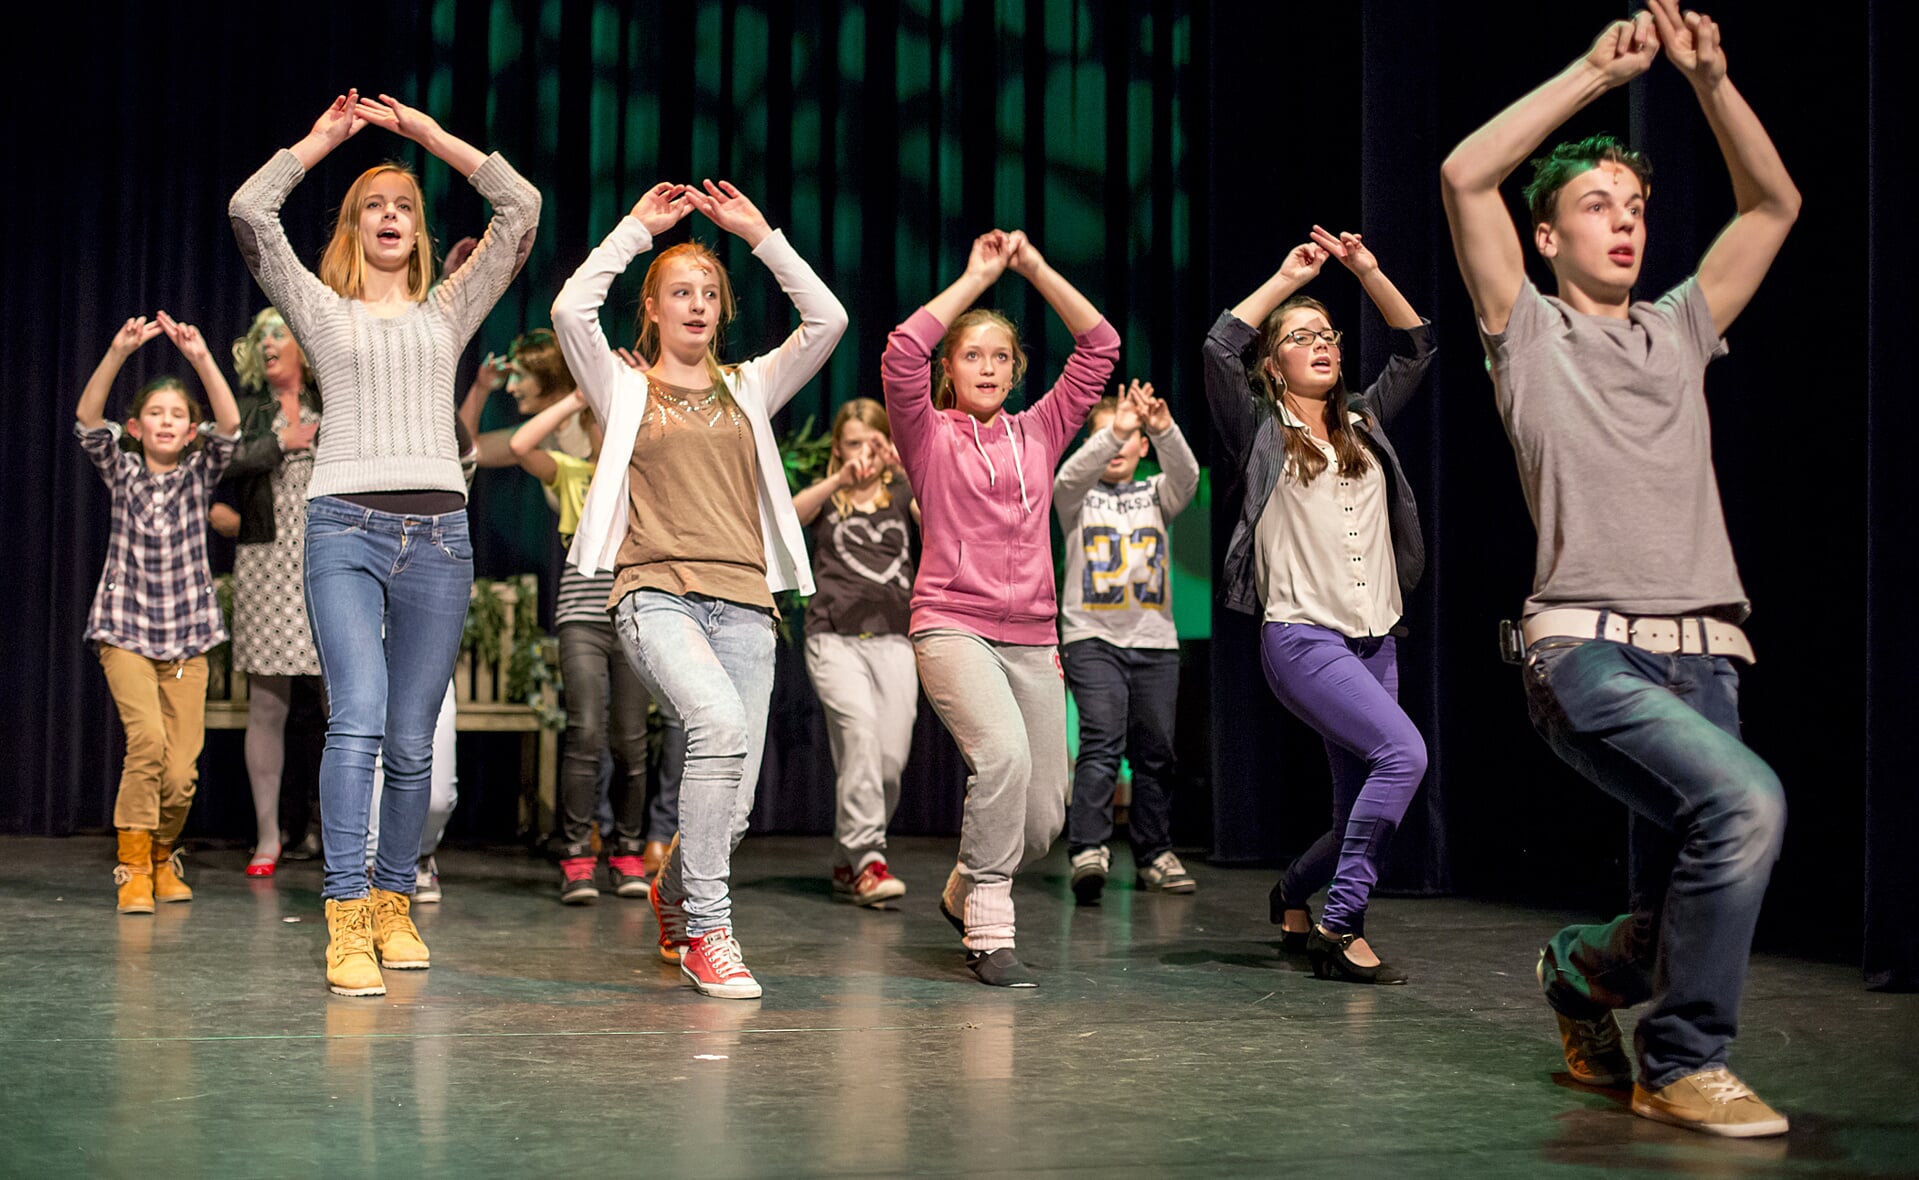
<point x="1329" y="961"/>
<point x="1291" y="942"/>
<point x="959" y="924"/>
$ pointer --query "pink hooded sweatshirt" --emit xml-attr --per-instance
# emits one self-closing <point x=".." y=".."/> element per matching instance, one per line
<point x="986" y="492"/>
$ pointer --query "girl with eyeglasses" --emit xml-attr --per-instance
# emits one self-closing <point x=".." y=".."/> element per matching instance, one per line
<point x="1326" y="548"/>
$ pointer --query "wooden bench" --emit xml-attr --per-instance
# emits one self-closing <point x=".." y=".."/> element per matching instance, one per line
<point x="479" y="689"/>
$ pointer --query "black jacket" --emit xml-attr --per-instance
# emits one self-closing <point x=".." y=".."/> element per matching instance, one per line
<point x="255" y="461"/>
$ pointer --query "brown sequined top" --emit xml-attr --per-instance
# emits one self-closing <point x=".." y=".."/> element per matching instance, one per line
<point x="693" y="518"/>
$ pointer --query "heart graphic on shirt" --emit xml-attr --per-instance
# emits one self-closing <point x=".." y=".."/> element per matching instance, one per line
<point x="863" y="530"/>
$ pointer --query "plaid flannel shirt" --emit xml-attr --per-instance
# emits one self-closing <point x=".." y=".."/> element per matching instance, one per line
<point x="156" y="590"/>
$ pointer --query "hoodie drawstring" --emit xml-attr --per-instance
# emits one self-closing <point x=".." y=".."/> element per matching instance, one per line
<point x="992" y="473"/>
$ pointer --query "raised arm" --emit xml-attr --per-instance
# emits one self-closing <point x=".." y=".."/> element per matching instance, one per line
<point x="1095" y="345"/>
<point x="810" y="499"/>
<point x="490" y="376"/>
<point x="1352" y="253"/>
<point x="1766" y="198"/>
<point x="91" y="412"/>
<point x="576" y="310"/>
<point x="193" y="346"/>
<point x="1229" y="387"/>
<point x="786" y="369"/>
<point x="1082" y="469"/>
<point x="906" y="374"/>
<point x="1179" y="468"/>
<point x="524" y="444"/>
<point x="255" y="213"/>
<point x="1484" y="238"/>
<point x="421" y="128"/>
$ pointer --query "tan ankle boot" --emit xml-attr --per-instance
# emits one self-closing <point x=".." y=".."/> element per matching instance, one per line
<point x="134" y="873"/>
<point x="654" y="856"/>
<point x="350" y="968"/>
<point x="168" y="883"/>
<point x="394" y="934"/>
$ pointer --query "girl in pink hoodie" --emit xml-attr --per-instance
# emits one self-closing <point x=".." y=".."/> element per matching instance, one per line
<point x="983" y="600"/>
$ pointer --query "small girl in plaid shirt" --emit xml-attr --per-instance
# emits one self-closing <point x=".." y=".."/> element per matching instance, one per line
<point x="155" y="614"/>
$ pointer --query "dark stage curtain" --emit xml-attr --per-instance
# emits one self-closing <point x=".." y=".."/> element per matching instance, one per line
<point x="1165" y="154"/>
<point x="1344" y="118"/>
<point x="882" y="137"/>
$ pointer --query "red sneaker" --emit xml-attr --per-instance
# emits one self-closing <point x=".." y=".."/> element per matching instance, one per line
<point x="576" y="880"/>
<point x="629" y="875"/>
<point x="672" y="918"/>
<point x="716" y="968"/>
<point x="873" y="884"/>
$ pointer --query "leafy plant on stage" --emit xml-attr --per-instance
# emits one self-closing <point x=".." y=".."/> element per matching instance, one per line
<point x="528" y="670"/>
<point x="804" y="454"/>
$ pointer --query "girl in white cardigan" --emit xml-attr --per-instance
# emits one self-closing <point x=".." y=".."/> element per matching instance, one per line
<point x="703" y="538"/>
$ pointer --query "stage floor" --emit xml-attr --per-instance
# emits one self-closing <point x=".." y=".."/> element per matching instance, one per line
<point x="1168" y="1038"/>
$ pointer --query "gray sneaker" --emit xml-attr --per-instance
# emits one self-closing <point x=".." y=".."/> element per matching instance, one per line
<point x="1164" y="874"/>
<point x="1090" y="866"/>
<point x="426" y="882"/>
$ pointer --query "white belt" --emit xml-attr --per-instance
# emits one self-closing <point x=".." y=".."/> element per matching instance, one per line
<point x="1691" y="635"/>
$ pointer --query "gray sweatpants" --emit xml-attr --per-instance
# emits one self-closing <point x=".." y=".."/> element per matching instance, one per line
<point x="870" y="691"/>
<point x="1005" y="705"/>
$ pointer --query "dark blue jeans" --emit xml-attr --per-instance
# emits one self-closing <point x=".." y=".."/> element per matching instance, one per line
<point x="1660" y="733"/>
<point x="386" y="595"/>
<point x="1127" y="698"/>
<point x="1348" y="691"/>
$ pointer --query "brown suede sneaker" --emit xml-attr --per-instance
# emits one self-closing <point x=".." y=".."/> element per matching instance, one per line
<point x="1712" y="1101"/>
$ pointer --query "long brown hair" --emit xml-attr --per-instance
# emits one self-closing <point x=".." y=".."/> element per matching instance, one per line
<point x="343" y="266"/>
<point x="701" y="255"/>
<point x="871" y="415"/>
<point x="1304" y="459"/>
<point x="943" y="396"/>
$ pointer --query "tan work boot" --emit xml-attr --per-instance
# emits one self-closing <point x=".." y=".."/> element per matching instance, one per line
<point x="134" y="873"/>
<point x="350" y="968"/>
<point x="169" y="883"/>
<point x="654" y="856"/>
<point x="394" y="934"/>
<point x="1712" y="1101"/>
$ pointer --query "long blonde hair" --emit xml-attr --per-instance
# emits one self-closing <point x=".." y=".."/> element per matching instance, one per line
<point x="943" y="396"/>
<point x="648" y="346"/>
<point x="872" y="415"/>
<point x="246" y="353"/>
<point x="343" y="265"/>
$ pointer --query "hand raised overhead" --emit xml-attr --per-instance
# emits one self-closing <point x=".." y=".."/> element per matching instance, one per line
<point x="132" y="334"/>
<point x="1303" y="262"/>
<point x="990" y="253"/>
<point x="1625" y="49"/>
<point x="340" y="121"/>
<point x="1349" y="248"/>
<point x="729" y="208"/>
<point x="662" y="207"/>
<point x="399" y="118"/>
<point x="1691" y="40"/>
<point x="186" y="338"/>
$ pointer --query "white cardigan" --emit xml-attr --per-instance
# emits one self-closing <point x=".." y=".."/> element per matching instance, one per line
<point x="761" y="387"/>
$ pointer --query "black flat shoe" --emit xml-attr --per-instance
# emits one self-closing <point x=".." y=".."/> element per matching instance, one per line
<point x="1329" y="960"/>
<point x="1000" y="968"/>
<point x="1292" y="942"/>
<point x="959" y="924"/>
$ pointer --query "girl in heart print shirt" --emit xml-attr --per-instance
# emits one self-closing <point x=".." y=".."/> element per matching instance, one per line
<point x="861" y="517"/>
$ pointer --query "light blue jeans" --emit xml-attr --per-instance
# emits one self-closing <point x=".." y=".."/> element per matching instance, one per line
<point x="709" y="663"/>
<point x="386" y="595"/>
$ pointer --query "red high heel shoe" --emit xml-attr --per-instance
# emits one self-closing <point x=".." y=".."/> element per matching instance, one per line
<point x="262" y="868"/>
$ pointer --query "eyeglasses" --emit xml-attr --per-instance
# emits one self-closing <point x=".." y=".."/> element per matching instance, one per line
<point x="1303" y="337"/>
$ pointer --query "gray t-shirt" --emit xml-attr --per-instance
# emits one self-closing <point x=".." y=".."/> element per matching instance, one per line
<point x="1608" y="422"/>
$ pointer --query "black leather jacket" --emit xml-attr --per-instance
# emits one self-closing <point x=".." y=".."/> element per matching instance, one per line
<point x="254" y="462"/>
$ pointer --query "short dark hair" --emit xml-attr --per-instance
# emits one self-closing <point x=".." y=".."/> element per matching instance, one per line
<point x="1554" y="170"/>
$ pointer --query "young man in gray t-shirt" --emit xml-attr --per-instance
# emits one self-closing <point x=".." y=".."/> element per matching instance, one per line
<point x="1631" y="632"/>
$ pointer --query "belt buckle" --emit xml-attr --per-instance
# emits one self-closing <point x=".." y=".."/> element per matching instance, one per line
<point x="1660" y="636"/>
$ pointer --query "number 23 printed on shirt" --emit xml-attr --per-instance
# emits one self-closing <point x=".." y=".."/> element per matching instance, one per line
<point x="1111" y="556"/>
